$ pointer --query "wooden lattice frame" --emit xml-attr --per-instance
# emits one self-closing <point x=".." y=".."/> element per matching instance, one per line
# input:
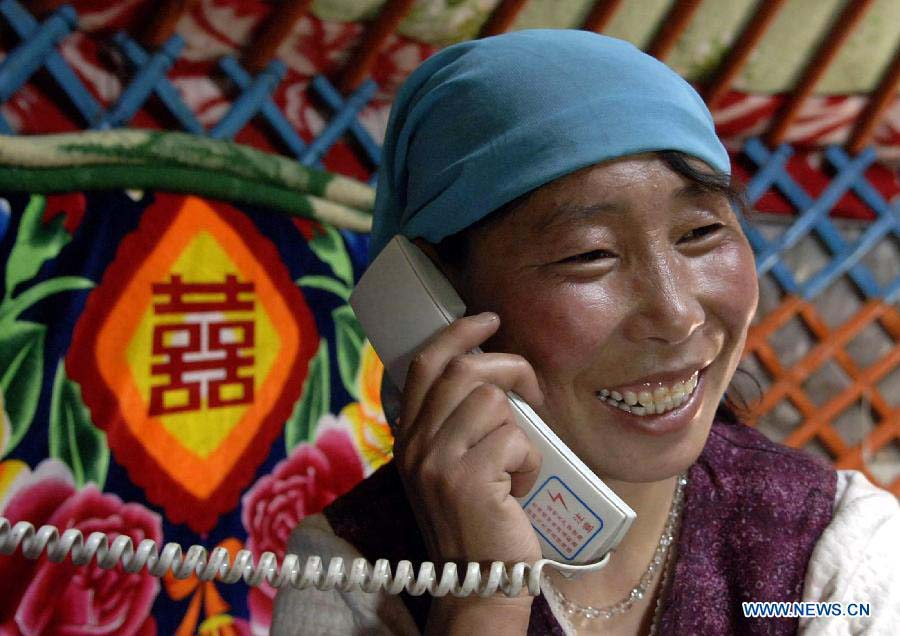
<point x="787" y="382"/>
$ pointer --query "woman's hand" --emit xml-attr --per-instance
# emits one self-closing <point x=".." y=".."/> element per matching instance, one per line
<point x="461" y="455"/>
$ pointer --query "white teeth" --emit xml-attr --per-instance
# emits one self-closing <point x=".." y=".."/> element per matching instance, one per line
<point x="662" y="398"/>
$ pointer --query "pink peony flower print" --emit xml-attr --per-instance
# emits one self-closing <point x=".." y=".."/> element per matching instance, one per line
<point x="46" y="599"/>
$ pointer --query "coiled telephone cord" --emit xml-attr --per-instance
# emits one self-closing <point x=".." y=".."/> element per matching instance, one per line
<point x="216" y="565"/>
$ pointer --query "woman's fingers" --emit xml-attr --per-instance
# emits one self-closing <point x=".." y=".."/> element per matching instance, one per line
<point x="462" y="375"/>
<point x="481" y="440"/>
<point x="461" y="336"/>
<point x="484" y="409"/>
<point x="509" y="449"/>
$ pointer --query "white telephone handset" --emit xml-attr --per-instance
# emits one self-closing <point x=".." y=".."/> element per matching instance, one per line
<point x="401" y="301"/>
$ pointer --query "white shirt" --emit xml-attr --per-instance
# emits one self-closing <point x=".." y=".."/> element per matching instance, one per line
<point x="856" y="560"/>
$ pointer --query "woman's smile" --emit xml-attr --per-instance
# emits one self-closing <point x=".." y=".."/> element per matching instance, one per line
<point x="656" y="411"/>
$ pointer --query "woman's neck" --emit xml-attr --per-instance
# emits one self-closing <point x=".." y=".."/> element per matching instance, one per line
<point x="651" y="502"/>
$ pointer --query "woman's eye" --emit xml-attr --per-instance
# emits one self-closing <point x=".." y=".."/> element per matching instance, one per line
<point x="700" y="232"/>
<point x="589" y="257"/>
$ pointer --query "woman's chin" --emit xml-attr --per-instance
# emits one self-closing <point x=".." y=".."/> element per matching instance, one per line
<point x="629" y="455"/>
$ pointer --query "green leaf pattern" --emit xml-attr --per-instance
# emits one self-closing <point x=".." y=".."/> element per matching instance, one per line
<point x="349" y="338"/>
<point x="73" y="437"/>
<point x="329" y="247"/>
<point x="314" y="402"/>
<point x="21" y="371"/>
<point x="35" y="244"/>
<point x="22" y="341"/>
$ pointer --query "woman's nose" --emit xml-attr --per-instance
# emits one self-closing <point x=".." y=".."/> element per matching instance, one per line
<point x="667" y="306"/>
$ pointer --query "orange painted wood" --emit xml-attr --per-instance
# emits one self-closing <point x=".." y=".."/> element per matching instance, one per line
<point x="773" y="321"/>
<point x="833" y="442"/>
<point x="815" y="69"/>
<point x="164" y="17"/>
<point x="822" y="419"/>
<point x="847" y="364"/>
<point x="819" y="354"/>
<point x="502" y="18"/>
<point x="600" y="15"/>
<point x="673" y="25"/>
<point x="770" y="361"/>
<point x="277" y="27"/>
<point x="891" y="322"/>
<point x="817" y="421"/>
<point x="743" y="47"/>
<point x="883" y="435"/>
<point x="877" y="107"/>
<point x="880" y="437"/>
<point x="360" y="65"/>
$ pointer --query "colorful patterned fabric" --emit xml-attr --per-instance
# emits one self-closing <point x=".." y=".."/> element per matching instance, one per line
<point x="177" y="368"/>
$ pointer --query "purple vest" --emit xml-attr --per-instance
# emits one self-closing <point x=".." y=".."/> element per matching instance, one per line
<point x="753" y="512"/>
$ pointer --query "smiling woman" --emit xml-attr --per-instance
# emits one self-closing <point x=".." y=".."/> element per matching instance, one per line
<point x="573" y="191"/>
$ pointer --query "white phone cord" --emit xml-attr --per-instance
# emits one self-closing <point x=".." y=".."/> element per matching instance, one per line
<point x="361" y="576"/>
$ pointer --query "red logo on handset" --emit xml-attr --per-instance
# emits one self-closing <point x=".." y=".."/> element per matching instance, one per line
<point x="558" y="497"/>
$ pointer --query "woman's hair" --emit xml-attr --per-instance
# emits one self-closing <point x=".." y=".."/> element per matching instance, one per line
<point x="454" y="249"/>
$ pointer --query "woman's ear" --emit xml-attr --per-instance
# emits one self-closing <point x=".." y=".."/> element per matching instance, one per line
<point x="453" y="274"/>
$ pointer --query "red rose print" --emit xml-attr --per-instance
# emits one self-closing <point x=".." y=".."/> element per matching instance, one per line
<point x="303" y="484"/>
<point x="44" y="598"/>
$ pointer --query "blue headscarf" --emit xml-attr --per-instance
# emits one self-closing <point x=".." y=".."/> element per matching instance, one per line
<point x="482" y="122"/>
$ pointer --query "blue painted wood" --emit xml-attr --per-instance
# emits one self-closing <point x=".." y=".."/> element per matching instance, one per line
<point x="24" y="26"/>
<point x="163" y="88"/>
<point x="780" y="271"/>
<point x="339" y="123"/>
<point x="143" y="84"/>
<point x="812" y="210"/>
<point x="24" y="60"/>
<point x="329" y="94"/>
<point x="768" y="164"/>
<point x="814" y="218"/>
<point x="869" y="195"/>
<point x="847" y="258"/>
<point x="249" y="102"/>
<point x="269" y="110"/>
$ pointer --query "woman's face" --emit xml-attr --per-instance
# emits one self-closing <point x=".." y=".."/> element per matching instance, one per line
<point x="620" y="278"/>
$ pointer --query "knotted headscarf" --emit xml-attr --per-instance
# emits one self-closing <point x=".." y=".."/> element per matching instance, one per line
<point x="483" y="122"/>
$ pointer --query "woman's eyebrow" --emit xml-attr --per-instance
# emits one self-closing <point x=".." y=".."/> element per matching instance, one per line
<point x="693" y="190"/>
<point x="570" y="213"/>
